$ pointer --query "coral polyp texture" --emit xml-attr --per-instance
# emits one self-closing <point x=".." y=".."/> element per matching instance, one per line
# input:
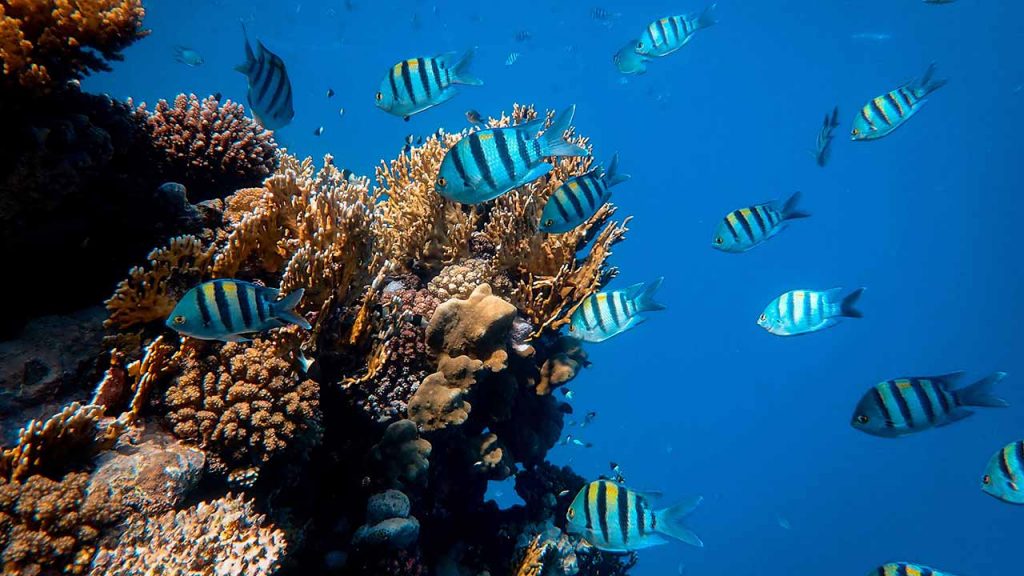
<point x="368" y="440"/>
<point x="46" y="42"/>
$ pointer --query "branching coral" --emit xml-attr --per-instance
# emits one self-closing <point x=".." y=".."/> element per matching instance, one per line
<point x="242" y="403"/>
<point x="210" y="147"/>
<point x="225" y="536"/>
<point x="46" y="42"/>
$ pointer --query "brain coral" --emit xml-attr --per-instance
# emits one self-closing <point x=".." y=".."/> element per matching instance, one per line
<point x="244" y="403"/>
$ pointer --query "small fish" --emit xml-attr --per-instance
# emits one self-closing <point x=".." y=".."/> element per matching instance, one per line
<point x="270" y="90"/>
<point x="605" y="314"/>
<point x="473" y="117"/>
<point x="579" y="442"/>
<point x="745" y="228"/>
<point x="341" y="112"/>
<point x="906" y="569"/>
<point x="872" y="36"/>
<point x="330" y="92"/>
<point x="563" y="493"/>
<point x="187" y="56"/>
<point x="589" y="418"/>
<point x="318" y="131"/>
<point x="666" y="35"/>
<point x="579" y="198"/>
<point x="417" y="84"/>
<point x="803" y="311"/>
<point x="825" y="135"/>
<point x="512" y="57"/>
<point x="1004" y="475"/>
<point x="628" y="61"/>
<point x="488" y="163"/>
<point x="783" y="522"/>
<point x="523" y="36"/>
<point x="884" y="114"/>
<point x="567" y="393"/>
<point x="614" y="518"/>
<point x="305" y="362"/>
<point x="226" y="309"/>
<point x="906" y="405"/>
<point x="602" y="15"/>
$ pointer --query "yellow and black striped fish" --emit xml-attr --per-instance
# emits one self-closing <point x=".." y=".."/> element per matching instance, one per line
<point x="1004" y="475"/>
<point x="605" y="314"/>
<point x="906" y="405"/>
<point x="745" y="228"/>
<point x="666" y="35"/>
<point x="270" y="90"/>
<point x="906" y="569"/>
<point x="579" y="198"/>
<point x="416" y="84"/>
<point x="616" y="519"/>
<point x="884" y="114"/>
<point x="225" y="309"/>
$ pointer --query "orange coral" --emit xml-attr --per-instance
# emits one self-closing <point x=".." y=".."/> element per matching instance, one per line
<point x="46" y="42"/>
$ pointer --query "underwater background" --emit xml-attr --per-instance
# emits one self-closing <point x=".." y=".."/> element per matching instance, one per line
<point x="699" y="399"/>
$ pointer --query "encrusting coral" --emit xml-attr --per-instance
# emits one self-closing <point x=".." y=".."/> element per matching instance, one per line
<point x="225" y="536"/>
<point x="46" y="42"/>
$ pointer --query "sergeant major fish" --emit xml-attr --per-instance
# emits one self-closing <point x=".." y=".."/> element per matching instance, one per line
<point x="666" y="35"/>
<point x="825" y="136"/>
<point x="628" y="61"/>
<point x="906" y="569"/>
<point x="605" y="314"/>
<point x="488" y="163"/>
<point x="226" y="309"/>
<point x="414" y="85"/>
<point x="906" y="405"/>
<point x="745" y="228"/>
<point x="1004" y="475"/>
<point x="803" y="311"/>
<point x="270" y="91"/>
<point x="187" y="56"/>
<point x="579" y="198"/>
<point x="884" y="114"/>
<point x="614" y="518"/>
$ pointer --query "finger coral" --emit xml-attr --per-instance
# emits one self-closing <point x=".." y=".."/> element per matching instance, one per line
<point x="242" y="403"/>
<point x="210" y="147"/>
<point x="44" y="43"/>
<point x="224" y="536"/>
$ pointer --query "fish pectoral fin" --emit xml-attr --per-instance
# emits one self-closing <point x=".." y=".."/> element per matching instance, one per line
<point x="537" y="171"/>
<point x="237" y="338"/>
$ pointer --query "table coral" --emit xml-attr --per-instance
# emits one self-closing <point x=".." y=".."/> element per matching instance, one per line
<point x="243" y="403"/>
<point x="44" y="43"/>
<point x="211" y="147"/>
<point x="221" y="537"/>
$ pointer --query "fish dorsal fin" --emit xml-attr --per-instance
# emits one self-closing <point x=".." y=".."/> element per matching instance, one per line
<point x="649" y="495"/>
<point x="947" y="381"/>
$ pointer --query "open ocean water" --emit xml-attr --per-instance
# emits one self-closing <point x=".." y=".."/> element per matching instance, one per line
<point x="699" y="399"/>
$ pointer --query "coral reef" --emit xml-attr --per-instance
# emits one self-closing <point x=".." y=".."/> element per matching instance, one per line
<point x="210" y="147"/>
<point x="225" y="536"/>
<point x="401" y="455"/>
<point x="388" y="522"/>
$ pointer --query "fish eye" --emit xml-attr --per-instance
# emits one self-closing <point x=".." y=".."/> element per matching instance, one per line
<point x="863" y="418"/>
<point x="639" y="45"/>
<point x="380" y="96"/>
<point x="442" y="182"/>
<point x="178" y="320"/>
<point x="549" y="222"/>
<point x="986" y="480"/>
<point x="572" y="328"/>
<point x="855" y="131"/>
<point x="763" y="318"/>
<point x="718" y="240"/>
<point x="571" y="513"/>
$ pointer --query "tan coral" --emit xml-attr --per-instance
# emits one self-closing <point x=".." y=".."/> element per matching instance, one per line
<point x="401" y="455"/>
<point x="565" y="359"/>
<point x="478" y="326"/>
<point x="224" y="536"/>
<point x="439" y="401"/>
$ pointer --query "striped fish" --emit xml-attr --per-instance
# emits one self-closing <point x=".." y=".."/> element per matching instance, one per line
<point x="745" y="228"/>
<point x="884" y="114"/>
<point x="906" y="405"/>
<point x="485" y="164"/>
<point x="1004" y="476"/>
<point x="225" y="309"/>
<point x="906" y="569"/>
<point x="616" y="519"/>
<point x="803" y="311"/>
<point x="666" y="35"/>
<point x="416" y="84"/>
<point x="628" y="61"/>
<point x="825" y="136"/>
<point x="270" y="91"/>
<point x="579" y="198"/>
<point x="605" y="314"/>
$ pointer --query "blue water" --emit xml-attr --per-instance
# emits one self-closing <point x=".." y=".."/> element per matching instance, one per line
<point x="699" y="400"/>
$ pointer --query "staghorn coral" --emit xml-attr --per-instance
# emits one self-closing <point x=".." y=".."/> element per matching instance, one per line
<point x="210" y="147"/>
<point x="50" y="447"/>
<point x="44" y="43"/>
<point x="533" y="558"/>
<point x="52" y="526"/>
<point x="224" y="536"/>
<point x="242" y="403"/>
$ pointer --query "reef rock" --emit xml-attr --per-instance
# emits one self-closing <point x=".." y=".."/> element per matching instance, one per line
<point x="401" y="455"/>
<point x="388" y="522"/>
<point x="478" y="327"/>
<point x="439" y="403"/>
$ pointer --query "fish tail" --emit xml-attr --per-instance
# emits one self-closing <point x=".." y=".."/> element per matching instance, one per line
<point x="926" y="85"/>
<point x="980" y="393"/>
<point x="707" y="17"/>
<point x="460" y="70"/>
<point x="611" y="176"/>
<point x="643" y="296"/>
<point x="835" y="117"/>
<point x="789" y="209"/>
<point x="672" y="521"/>
<point x="846" y="307"/>
<point x="552" y="141"/>
<point x="250" y="57"/>
<point x="284" y="309"/>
